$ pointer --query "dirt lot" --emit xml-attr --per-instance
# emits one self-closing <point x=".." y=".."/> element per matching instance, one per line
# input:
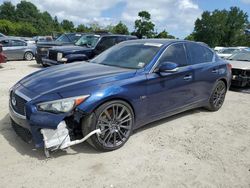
<point x="193" y="149"/>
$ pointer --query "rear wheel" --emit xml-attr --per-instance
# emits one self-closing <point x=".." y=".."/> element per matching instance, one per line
<point x="28" y="56"/>
<point x="115" y="119"/>
<point x="218" y="96"/>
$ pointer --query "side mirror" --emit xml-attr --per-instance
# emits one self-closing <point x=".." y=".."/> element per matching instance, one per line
<point x="1" y="48"/>
<point x="168" y="67"/>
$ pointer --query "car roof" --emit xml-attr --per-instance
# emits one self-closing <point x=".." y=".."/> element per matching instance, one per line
<point x="164" y="41"/>
<point x="12" y="38"/>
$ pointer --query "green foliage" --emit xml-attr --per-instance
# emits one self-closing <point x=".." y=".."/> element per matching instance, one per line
<point x="25" y="19"/>
<point x="7" y="26"/>
<point x="7" y="11"/>
<point x="143" y="26"/>
<point x="120" y="28"/>
<point x="164" y="34"/>
<point x="222" y="28"/>
<point x="67" y="26"/>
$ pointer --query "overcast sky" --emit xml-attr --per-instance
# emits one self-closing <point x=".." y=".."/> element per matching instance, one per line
<point x="176" y="16"/>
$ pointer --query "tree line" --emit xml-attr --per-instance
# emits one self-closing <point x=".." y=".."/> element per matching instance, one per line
<point x="25" y="19"/>
<point x="216" y="28"/>
<point x="222" y="28"/>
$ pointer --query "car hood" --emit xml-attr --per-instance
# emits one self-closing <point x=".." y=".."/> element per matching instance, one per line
<point x="69" y="48"/>
<point x="240" y="64"/>
<point x="67" y="77"/>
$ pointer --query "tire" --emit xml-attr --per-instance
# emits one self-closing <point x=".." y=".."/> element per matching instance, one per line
<point x="44" y="65"/>
<point x="217" y="97"/>
<point x="28" y="56"/>
<point x="115" y="119"/>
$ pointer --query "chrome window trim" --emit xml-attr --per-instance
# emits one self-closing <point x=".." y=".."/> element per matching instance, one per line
<point x="157" y="62"/>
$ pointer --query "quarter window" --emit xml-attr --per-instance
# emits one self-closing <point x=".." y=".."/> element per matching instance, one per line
<point x="176" y="54"/>
<point x="199" y="54"/>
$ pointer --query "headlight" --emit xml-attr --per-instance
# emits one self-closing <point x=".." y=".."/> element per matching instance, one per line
<point x="61" y="106"/>
<point x="59" y="56"/>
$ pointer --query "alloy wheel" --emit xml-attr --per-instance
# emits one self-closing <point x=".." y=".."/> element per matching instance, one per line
<point x="219" y="95"/>
<point x="115" y="123"/>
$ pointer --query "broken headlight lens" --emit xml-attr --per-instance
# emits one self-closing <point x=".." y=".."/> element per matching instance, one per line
<point x="61" y="106"/>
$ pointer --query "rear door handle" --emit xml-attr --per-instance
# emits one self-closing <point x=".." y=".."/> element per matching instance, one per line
<point x="187" y="77"/>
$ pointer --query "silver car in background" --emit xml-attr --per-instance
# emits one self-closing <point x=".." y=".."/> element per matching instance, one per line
<point x="18" y="49"/>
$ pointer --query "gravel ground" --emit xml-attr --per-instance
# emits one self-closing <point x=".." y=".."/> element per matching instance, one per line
<point x="193" y="149"/>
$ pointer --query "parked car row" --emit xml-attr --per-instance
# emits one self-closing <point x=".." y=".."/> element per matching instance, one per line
<point x="125" y="87"/>
<point x="225" y="52"/>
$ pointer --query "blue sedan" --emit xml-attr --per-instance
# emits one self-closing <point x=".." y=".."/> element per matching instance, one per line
<point x="104" y="100"/>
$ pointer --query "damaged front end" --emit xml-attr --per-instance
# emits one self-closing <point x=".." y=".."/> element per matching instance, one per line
<point x="60" y="138"/>
<point x="240" y="77"/>
<point x="51" y="130"/>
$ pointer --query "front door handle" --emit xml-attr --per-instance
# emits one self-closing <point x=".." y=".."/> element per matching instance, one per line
<point x="187" y="77"/>
<point x="215" y="71"/>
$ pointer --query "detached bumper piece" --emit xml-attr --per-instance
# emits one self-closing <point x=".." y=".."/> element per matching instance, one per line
<point x="23" y="133"/>
<point x="60" y="139"/>
<point x="240" y="78"/>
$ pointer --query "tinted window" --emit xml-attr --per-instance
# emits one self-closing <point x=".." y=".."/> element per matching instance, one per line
<point x="120" y="39"/>
<point x="17" y="43"/>
<point x="208" y="55"/>
<point x="199" y="54"/>
<point x="105" y="43"/>
<point x="176" y="54"/>
<point x="5" y="43"/>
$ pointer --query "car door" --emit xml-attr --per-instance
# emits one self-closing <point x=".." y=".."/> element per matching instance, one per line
<point x="17" y="49"/>
<point x="206" y="71"/>
<point x="171" y="91"/>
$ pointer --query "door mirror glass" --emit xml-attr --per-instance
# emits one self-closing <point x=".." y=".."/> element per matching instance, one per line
<point x="168" y="67"/>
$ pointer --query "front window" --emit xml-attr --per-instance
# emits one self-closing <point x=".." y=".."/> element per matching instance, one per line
<point x="88" y="40"/>
<point x="241" y="56"/>
<point x="133" y="56"/>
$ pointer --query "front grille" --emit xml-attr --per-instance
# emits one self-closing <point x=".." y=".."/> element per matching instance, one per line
<point x="22" y="132"/>
<point x="17" y="103"/>
<point x="53" y="55"/>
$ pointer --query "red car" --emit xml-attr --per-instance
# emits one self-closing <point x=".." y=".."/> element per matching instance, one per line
<point x="3" y="57"/>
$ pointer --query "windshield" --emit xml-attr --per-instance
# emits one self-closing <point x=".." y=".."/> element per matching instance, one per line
<point x="241" y="56"/>
<point x="88" y="40"/>
<point x="68" y="37"/>
<point x="227" y="51"/>
<point x="133" y="56"/>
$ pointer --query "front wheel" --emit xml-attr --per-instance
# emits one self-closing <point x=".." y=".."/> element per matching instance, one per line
<point x="218" y="96"/>
<point x="115" y="119"/>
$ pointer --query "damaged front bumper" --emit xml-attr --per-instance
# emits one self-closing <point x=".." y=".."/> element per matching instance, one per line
<point x="51" y="131"/>
<point x="60" y="139"/>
